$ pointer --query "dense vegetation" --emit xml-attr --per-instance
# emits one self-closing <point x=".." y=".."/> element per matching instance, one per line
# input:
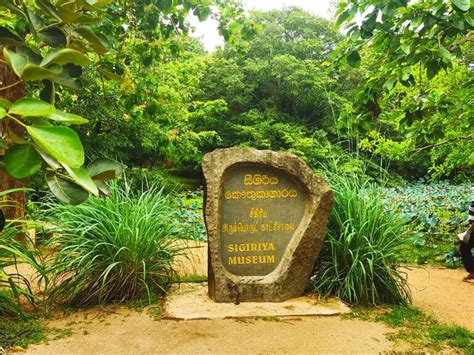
<point x="379" y="100"/>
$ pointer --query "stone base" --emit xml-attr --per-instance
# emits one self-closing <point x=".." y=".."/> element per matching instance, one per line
<point x="189" y="301"/>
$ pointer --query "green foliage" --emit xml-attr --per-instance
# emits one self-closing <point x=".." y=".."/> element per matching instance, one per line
<point x="20" y="333"/>
<point x="169" y="115"/>
<point x="437" y="212"/>
<point x="415" y="100"/>
<point x="114" y="249"/>
<point x="358" y="262"/>
<point x="50" y="42"/>
<point x="140" y="178"/>
<point x="189" y="215"/>
<point x="423" y="332"/>
<point x="430" y="33"/>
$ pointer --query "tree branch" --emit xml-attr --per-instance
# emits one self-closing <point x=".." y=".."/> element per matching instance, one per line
<point x="429" y="146"/>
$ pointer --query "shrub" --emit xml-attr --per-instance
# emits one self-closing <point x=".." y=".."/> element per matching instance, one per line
<point x="358" y="261"/>
<point x="113" y="249"/>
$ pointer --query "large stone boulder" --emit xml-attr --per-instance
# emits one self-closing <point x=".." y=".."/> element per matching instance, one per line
<point x="266" y="215"/>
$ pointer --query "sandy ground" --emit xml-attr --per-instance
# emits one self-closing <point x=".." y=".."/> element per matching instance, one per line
<point x="125" y="331"/>
<point x="130" y="332"/>
<point x="441" y="292"/>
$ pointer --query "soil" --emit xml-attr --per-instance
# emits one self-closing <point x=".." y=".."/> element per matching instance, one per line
<point x="127" y="332"/>
<point x="122" y="330"/>
<point x="441" y="292"/>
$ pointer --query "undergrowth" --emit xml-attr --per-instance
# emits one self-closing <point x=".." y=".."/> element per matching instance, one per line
<point x="20" y="333"/>
<point x="436" y="212"/>
<point x="421" y="331"/>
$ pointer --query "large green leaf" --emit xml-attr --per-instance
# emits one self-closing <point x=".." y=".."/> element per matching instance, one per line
<point x="104" y="190"/>
<point x="66" y="80"/>
<point x="5" y="103"/>
<point x="88" y="20"/>
<point x="68" y="118"/>
<point x="444" y="53"/>
<point x="469" y="19"/>
<point x="48" y="8"/>
<point x="353" y="59"/>
<point x="33" y="56"/>
<point x="99" y="3"/>
<point x="52" y="162"/>
<point x="65" y="56"/>
<point x="111" y="76"/>
<point x="16" y="61"/>
<point x="35" y="20"/>
<point x="3" y="112"/>
<point x="7" y="37"/>
<point x="68" y="15"/>
<point x="105" y="169"/>
<point x="82" y="178"/>
<point x="463" y="5"/>
<point x="65" y="191"/>
<point x="53" y="37"/>
<point x="99" y="43"/>
<point x="60" y="142"/>
<point x="34" y="72"/>
<point x="22" y="161"/>
<point x="31" y="107"/>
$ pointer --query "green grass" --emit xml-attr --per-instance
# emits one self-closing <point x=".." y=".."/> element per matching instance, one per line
<point x="116" y="249"/>
<point x="20" y="333"/>
<point x="191" y="278"/>
<point x="359" y="260"/>
<point x="421" y="331"/>
<point x="15" y="290"/>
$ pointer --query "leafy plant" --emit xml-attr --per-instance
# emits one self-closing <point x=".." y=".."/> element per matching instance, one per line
<point x="115" y="249"/>
<point x="188" y="215"/>
<point x="49" y="43"/>
<point x="358" y="262"/>
<point x="415" y="93"/>
<point x="437" y="211"/>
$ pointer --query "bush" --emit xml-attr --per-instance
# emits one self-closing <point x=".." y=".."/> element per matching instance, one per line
<point x="358" y="261"/>
<point x="113" y="249"/>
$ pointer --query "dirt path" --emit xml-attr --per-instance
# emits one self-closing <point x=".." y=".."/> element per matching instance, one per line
<point x="441" y="292"/>
<point x="129" y="332"/>
<point x="125" y="331"/>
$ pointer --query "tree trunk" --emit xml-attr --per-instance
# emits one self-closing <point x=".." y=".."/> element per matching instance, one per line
<point x="16" y="201"/>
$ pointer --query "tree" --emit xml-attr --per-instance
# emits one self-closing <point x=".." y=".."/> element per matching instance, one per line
<point x="51" y="42"/>
<point x="416" y="94"/>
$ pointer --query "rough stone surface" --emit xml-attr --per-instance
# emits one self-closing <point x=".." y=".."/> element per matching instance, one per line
<point x="190" y="301"/>
<point x="293" y="224"/>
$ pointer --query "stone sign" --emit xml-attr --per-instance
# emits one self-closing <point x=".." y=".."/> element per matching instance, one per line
<point x="266" y="216"/>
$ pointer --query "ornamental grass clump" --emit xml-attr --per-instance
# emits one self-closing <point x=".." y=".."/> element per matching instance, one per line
<point x="113" y="249"/>
<point x="358" y="263"/>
